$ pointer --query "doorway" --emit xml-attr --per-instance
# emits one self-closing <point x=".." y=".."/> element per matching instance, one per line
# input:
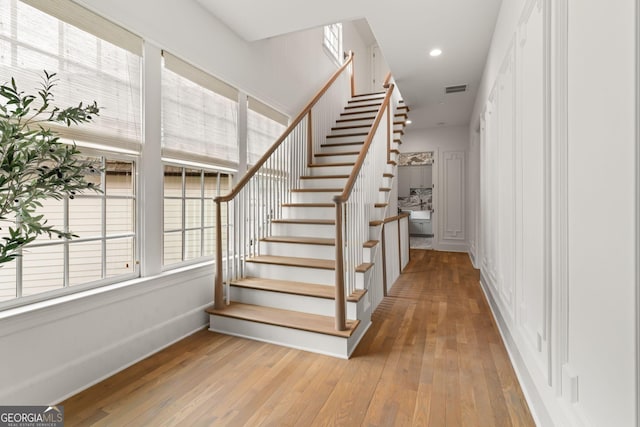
<point x="415" y="196"/>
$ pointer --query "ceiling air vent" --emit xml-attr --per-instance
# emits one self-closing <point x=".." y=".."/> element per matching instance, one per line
<point x="455" y="89"/>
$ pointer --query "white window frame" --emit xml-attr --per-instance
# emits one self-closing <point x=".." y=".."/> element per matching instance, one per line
<point x="203" y="168"/>
<point x="332" y="41"/>
<point x="65" y="287"/>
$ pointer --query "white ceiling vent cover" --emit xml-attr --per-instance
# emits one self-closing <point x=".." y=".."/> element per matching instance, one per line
<point x="455" y="89"/>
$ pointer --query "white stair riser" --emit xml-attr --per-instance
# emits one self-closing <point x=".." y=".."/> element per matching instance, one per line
<point x="331" y="170"/>
<point x="342" y="158"/>
<point x="365" y="100"/>
<point x="298" y="250"/>
<point x="313" y="197"/>
<point x="340" y="139"/>
<point x="398" y="126"/>
<point x="368" y="121"/>
<point x="296" y="212"/>
<point x="284" y="301"/>
<point x="303" y="230"/>
<point x="337" y="148"/>
<point x="323" y="183"/>
<point x="310" y="341"/>
<point x="350" y="129"/>
<point x="368" y="254"/>
<point x="359" y="115"/>
<point x="362" y="106"/>
<point x="383" y="196"/>
<point x="295" y="274"/>
<point x="374" y="232"/>
<point x="379" y="96"/>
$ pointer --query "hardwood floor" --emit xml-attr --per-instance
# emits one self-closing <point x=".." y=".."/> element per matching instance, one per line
<point x="433" y="357"/>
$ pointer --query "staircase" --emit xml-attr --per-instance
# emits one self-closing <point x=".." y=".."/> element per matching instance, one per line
<point x="284" y="291"/>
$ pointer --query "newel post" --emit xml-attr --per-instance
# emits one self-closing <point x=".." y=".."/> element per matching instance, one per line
<point x="341" y="322"/>
<point x="218" y="299"/>
<point x="309" y="138"/>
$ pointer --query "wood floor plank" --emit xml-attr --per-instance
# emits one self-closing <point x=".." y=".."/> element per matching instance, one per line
<point x="432" y="357"/>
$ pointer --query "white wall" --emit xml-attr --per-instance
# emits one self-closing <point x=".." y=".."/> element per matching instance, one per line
<point x="52" y="350"/>
<point x="450" y="146"/>
<point x="282" y="71"/>
<point x="556" y="153"/>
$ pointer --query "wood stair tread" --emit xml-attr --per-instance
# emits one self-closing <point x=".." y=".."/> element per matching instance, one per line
<point x="301" y="240"/>
<point x="372" y="118"/>
<point x="371" y="243"/>
<point x="308" y="205"/>
<point x="375" y="223"/>
<point x="323" y="264"/>
<point x="364" y="105"/>
<point x="339" y="144"/>
<point x="286" y="318"/>
<point x="324" y="177"/>
<point x="287" y="287"/>
<point x="381" y="94"/>
<point x="385" y="189"/>
<point x="365" y="266"/>
<point x="341" y="153"/>
<point x="348" y="135"/>
<point x="295" y="288"/>
<point x="388" y="175"/>
<point x="304" y="221"/>
<point x="319" y="165"/>
<point x="317" y="190"/>
<point x="352" y="113"/>
<point x="350" y="127"/>
<point x="381" y="205"/>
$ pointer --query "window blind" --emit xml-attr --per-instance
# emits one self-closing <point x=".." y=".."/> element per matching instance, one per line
<point x="199" y="115"/>
<point x="94" y="59"/>
<point x="264" y="126"/>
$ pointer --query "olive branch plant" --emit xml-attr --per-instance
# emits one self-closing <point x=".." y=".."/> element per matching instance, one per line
<point x="35" y="164"/>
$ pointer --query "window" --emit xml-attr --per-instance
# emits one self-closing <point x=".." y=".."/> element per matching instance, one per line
<point x="103" y="252"/>
<point x="264" y="126"/>
<point x="94" y="59"/>
<point x="199" y="115"/>
<point x="189" y="212"/>
<point x="333" y="41"/>
<point x="60" y="37"/>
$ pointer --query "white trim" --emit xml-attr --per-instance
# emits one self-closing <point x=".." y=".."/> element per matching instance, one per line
<point x="141" y="358"/>
<point x="86" y="20"/>
<point x="538" y="405"/>
<point x="198" y="76"/>
<point x="267" y="111"/>
<point x="31" y="316"/>
<point x="560" y="187"/>
<point x="637" y="214"/>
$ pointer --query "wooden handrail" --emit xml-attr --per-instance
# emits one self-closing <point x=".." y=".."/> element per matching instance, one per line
<point x="339" y="200"/>
<point x="306" y="111"/>
<point x="348" y="188"/>
<point x="251" y="172"/>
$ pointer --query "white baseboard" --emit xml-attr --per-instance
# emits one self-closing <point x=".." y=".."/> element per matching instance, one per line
<point x="538" y="409"/>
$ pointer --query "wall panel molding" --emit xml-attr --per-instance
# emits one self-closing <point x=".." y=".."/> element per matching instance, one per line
<point x="453" y="218"/>
<point x="560" y="187"/>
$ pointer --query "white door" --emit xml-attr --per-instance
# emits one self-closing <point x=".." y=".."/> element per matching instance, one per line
<point x="379" y="69"/>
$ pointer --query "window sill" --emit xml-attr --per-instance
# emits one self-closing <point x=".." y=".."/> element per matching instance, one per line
<point x="28" y="316"/>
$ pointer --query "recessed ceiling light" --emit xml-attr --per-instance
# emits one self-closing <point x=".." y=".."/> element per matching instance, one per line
<point x="408" y="122"/>
<point x="435" y="52"/>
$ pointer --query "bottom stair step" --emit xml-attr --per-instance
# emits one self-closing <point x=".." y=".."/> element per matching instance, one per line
<point x="295" y="288"/>
<point x="285" y="318"/>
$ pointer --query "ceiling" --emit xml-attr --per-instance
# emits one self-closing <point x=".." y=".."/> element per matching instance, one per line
<point x="405" y="30"/>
